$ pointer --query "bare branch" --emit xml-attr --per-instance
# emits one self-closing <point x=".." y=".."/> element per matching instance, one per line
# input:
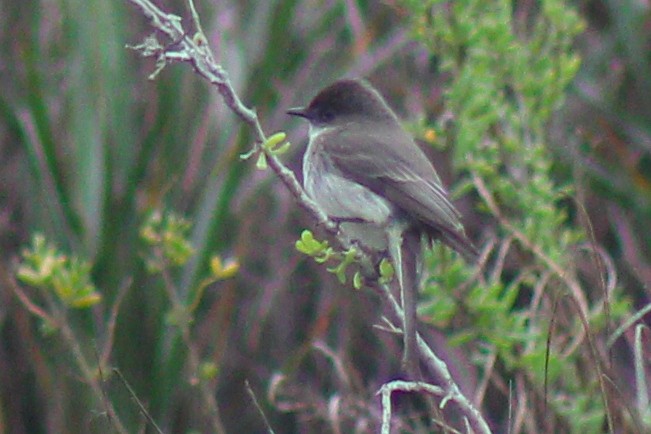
<point x="195" y="51"/>
<point x="449" y="389"/>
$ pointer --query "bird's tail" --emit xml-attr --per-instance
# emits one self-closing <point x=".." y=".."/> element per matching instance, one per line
<point x="458" y="241"/>
<point x="405" y="251"/>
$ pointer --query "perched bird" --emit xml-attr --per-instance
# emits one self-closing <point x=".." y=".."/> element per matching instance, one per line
<point x="367" y="173"/>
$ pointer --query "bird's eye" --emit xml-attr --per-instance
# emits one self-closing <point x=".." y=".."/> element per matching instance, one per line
<point x="327" y="115"/>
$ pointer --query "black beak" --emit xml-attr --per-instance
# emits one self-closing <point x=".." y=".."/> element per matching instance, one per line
<point x="298" y="111"/>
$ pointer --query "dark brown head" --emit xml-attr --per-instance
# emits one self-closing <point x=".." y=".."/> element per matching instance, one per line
<point x="345" y="101"/>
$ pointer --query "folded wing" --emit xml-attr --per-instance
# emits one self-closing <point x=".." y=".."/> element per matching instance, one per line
<point x="389" y="163"/>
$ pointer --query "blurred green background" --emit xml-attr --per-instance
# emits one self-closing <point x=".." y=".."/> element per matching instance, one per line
<point x="90" y="149"/>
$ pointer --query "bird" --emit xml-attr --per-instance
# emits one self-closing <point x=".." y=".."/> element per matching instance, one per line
<point x="370" y="177"/>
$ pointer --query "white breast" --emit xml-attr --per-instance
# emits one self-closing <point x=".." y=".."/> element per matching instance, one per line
<point x="342" y="198"/>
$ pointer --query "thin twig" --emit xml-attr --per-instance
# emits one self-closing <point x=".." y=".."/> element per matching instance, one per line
<point x="87" y="371"/>
<point x="112" y="322"/>
<point x="451" y="391"/>
<point x="642" y="394"/>
<point x="105" y="398"/>
<point x="488" y="369"/>
<point x="251" y="393"/>
<point x="387" y="390"/>
<point x="628" y="324"/>
<point x="548" y="349"/>
<point x="32" y="307"/>
<point x="139" y="403"/>
<point x="522" y="409"/>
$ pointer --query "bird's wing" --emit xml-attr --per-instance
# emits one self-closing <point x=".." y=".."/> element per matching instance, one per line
<point x="388" y="162"/>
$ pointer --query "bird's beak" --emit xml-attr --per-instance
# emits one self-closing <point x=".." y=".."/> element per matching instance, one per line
<point x="297" y="111"/>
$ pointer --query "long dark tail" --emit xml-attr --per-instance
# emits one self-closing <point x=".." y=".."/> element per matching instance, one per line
<point x="405" y="250"/>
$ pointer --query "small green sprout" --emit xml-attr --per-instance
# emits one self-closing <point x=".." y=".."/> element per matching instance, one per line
<point x="269" y="146"/>
<point x="223" y="270"/>
<point x="167" y="233"/>
<point x="68" y="278"/>
<point x="350" y="257"/>
<point x="386" y="271"/>
<point x="261" y="163"/>
<point x="208" y="371"/>
<point x="357" y="280"/>
<point x="310" y="246"/>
